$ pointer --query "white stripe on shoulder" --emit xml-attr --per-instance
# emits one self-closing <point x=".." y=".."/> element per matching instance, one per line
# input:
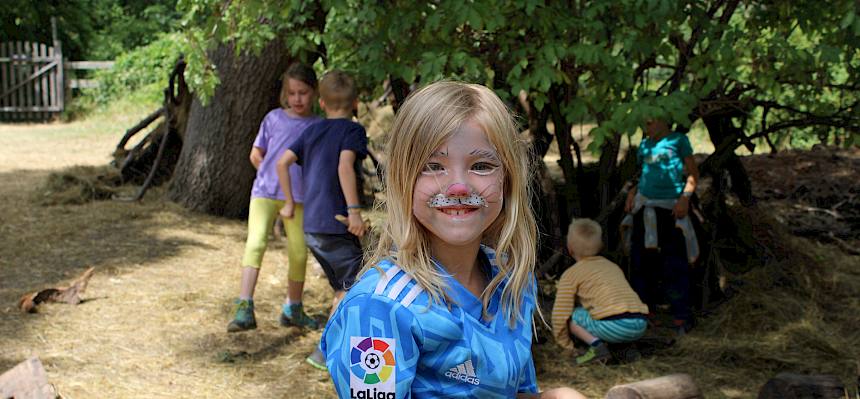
<point x="411" y="295"/>
<point x="399" y="286"/>
<point x="383" y="282"/>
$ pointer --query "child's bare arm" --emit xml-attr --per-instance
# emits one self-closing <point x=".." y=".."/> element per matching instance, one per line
<point x="556" y="393"/>
<point x="692" y="170"/>
<point x="283" y="169"/>
<point x="631" y="195"/>
<point x="256" y="156"/>
<point x="349" y="185"/>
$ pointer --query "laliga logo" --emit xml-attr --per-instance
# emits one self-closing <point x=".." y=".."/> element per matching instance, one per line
<point x="371" y="362"/>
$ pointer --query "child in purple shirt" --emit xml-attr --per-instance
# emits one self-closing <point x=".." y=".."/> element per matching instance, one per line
<point x="328" y="153"/>
<point x="280" y="128"/>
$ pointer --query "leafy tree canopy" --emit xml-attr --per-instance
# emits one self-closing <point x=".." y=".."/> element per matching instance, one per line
<point x="89" y="29"/>
<point x="773" y="66"/>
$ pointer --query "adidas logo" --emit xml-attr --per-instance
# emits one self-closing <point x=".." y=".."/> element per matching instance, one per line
<point x="464" y="372"/>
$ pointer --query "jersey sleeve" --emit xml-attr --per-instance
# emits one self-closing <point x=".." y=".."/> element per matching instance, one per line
<point x="262" y="139"/>
<point x="684" y="147"/>
<point x="371" y="345"/>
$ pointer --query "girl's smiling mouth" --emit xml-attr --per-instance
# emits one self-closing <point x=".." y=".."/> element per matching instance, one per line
<point x="457" y="210"/>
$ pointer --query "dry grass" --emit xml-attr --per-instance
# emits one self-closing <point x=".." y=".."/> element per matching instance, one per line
<point x="798" y="313"/>
<point x="154" y="324"/>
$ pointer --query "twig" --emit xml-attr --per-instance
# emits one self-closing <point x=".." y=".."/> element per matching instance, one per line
<point x="136" y="128"/>
<point x="835" y="214"/>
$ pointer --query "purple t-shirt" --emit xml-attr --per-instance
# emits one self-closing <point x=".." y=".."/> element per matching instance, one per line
<point x="277" y="131"/>
<point x="318" y="151"/>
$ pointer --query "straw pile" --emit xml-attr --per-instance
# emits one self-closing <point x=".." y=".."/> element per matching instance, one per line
<point x="78" y="185"/>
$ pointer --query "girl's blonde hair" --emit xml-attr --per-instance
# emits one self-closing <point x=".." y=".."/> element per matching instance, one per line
<point x="427" y="119"/>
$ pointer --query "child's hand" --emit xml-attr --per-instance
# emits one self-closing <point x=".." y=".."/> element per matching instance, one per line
<point x="628" y="205"/>
<point x="681" y="207"/>
<point x="287" y="210"/>
<point x="356" y="224"/>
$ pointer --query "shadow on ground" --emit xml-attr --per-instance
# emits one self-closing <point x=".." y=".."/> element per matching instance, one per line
<point x="45" y="246"/>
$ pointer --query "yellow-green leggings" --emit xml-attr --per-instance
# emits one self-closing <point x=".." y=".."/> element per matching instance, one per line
<point x="261" y="214"/>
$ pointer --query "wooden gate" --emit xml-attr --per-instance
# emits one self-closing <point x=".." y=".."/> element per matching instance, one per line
<point x="31" y="81"/>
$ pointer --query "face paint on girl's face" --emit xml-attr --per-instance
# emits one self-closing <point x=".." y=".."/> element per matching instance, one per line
<point x="441" y="200"/>
<point x="459" y="192"/>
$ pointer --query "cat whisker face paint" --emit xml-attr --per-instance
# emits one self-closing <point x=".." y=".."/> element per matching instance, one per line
<point x="441" y="201"/>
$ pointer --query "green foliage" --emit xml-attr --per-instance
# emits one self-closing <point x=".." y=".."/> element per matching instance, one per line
<point x="142" y="72"/>
<point x="89" y="29"/>
<point x="594" y="61"/>
<point x="247" y="26"/>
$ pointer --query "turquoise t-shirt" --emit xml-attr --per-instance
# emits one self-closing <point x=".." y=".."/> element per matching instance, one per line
<point x="663" y="166"/>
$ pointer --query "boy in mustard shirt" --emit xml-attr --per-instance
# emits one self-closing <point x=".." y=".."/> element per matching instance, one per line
<point x="607" y="310"/>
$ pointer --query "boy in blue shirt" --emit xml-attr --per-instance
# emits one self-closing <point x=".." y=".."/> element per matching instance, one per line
<point x="330" y="190"/>
<point x="663" y="243"/>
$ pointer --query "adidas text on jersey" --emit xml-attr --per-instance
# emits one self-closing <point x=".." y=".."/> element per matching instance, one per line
<point x="464" y="372"/>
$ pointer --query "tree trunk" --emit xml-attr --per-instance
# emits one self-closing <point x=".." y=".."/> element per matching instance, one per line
<point x="213" y="174"/>
<point x="720" y="130"/>
<point x="607" y="166"/>
<point x="572" y="173"/>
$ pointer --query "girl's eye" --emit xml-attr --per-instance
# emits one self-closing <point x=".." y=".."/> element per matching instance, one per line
<point x="484" y="168"/>
<point x="432" y="168"/>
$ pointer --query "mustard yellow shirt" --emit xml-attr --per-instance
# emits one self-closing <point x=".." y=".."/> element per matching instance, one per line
<point x="599" y="286"/>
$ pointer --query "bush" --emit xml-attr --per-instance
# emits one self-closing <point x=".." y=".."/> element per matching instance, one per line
<point x="141" y="73"/>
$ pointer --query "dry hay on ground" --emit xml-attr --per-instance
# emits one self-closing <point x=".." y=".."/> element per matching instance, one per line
<point x="160" y="300"/>
<point x="798" y="313"/>
<point x="78" y="185"/>
<point x="815" y="193"/>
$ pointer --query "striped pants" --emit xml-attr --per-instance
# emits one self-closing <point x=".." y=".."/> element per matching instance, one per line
<point x="613" y="331"/>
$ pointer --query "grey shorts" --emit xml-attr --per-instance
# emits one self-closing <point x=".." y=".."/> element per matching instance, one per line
<point x="340" y="256"/>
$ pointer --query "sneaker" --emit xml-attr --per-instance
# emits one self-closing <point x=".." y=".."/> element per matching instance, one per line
<point x="244" y="319"/>
<point x="317" y="359"/>
<point x="294" y="315"/>
<point x="599" y="353"/>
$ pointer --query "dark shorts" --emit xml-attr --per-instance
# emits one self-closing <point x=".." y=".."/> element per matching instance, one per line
<point x="340" y="256"/>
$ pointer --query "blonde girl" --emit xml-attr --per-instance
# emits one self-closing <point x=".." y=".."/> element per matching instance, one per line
<point x="437" y="312"/>
<point x="279" y="129"/>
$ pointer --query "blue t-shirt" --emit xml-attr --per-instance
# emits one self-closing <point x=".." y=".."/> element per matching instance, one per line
<point x="663" y="166"/>
<point x="318" y="151"/>
<point x="277" y="131"/>
<point x="385" y="342"/>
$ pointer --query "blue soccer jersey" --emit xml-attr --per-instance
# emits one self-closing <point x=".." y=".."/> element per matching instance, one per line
<point x="387" y="340"/>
